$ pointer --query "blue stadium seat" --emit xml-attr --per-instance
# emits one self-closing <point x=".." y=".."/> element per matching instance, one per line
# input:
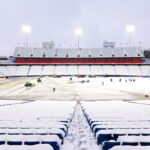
<point x="52" y="143"/>
<point x="104" y="137"/>
<point x="109" y="144"/>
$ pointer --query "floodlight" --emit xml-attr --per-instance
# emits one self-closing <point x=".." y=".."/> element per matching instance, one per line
<point x="130" y="28"/>
<point x="78" y="31"/>
<point x="26" y="29"/>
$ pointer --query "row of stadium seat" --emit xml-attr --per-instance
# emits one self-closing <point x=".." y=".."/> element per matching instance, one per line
<point x="10" y="103"/>
<point x="102" y="70"/>
<point x="26" y="147"/>
<point x="117" y="125"/>
<point x="72" y="53"/>
<point x="35" y="123"/>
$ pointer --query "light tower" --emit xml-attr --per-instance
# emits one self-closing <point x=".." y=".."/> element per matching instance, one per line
<point x="78" y="33"/>
<point x="130" y="30"/>
<point x="27" y="30"/>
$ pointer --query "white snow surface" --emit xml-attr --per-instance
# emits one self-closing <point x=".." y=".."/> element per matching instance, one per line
<point x="88" y="89"/>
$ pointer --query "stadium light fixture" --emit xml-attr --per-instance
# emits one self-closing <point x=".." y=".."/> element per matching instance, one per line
<point x="27" y="30"/>
<point x="130" y="30"/>
<point x="78" y="33"/>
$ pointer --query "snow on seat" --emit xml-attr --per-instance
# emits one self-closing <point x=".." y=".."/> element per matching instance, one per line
<point x="122" y="70"/>
<point x="127" y="140"/>
<point x="41" y="126"/>
<point x="53" y="140"/>
<point x="4" y="71"/>
<point x="59" y="126"/>
<point x="96" y="70"/>
<point x="143" y="140"/>
<point x="145" y="70"/>
<point x="4" y="131"/>
<point x="48" y="70"/>
<point x="27" y="131"/>
<point x="113" y="134"/>
<point x="22" y="70"/>
<point x="57" y="132"/>
<point x="134" y="70"/>
<point x="108" y="70"/>
<point x="109" y="145"/>
<point x="60" y="70"/>
<point x="35" y="71"/>
<point x="118" y="125"/>
<point x="3" y="139"/>
<point x="84" y="70"/>
<point x="25" y="147"/>
<point x="39" y="147"/>
<point x="73" y="53"/>
<point x="13" y="131"/>
<point x="31" y="139"/>
<point x="110" y="120"/>
<point x="97" y="128"/>
<point x="12" y="70"/>
<point x="13" y="139"/>
<point x="72" y="70"/>
<point x="35" y="139"/>
<point x="131" y="148"/>
<point x="41" y="132"/>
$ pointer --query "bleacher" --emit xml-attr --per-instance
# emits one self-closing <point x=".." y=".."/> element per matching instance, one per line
<point x="84" y="70"/>
<point x="60" y="70"/>
<point x="4" y="71"/>
<point x="48" y="70"/>
<point x="108" y="70"/>
<point x="11" y="70"/>
<point x="35" y="70"/>
<point x="72" y="70"/>
<point x="26" y="125"/>
<point x="75" y="70"/>
<point x="119" y="125"/>
<point x="22" y="70"/>
<point x="52" y="55"/>
<point x="74" y="52"/>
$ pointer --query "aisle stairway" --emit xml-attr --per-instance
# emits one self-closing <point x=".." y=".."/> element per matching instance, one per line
<point x="80" y="136"/>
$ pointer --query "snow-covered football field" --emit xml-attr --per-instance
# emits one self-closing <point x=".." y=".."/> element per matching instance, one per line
<point x="99" y="88"/>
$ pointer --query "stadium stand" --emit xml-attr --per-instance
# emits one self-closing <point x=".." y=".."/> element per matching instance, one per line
<point x="60" y="70"/>
<point x="35" y="70"/>
<point x="48" y="70"/>
<point x="119" y="125"/>
<point x="27" y="147"/>
<point x="122" y="70"/>
<point x="135" y="70"/>
<point x="33" y="127"/>
<point x="96" y="70"/>
<point x="108" y="70"/>
<point x="78" y="56"/>
<point x="12" y="70"/>
<point x="22" y="70"/>
<point x="84" y="70"/>
<point x="75" y="70"/>
<point x="3" y="71"/>
<point x="72" y="70"/>
<point x="145" y="70"/>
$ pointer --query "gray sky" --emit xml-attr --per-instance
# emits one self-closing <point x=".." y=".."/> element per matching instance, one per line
<point x="56" y="20"/>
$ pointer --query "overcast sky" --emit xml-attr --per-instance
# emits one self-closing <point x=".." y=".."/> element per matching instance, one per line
<point x="56" y="20"/>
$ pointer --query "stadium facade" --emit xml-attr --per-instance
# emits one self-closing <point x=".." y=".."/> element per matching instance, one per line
<point x="51" y="61"/>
